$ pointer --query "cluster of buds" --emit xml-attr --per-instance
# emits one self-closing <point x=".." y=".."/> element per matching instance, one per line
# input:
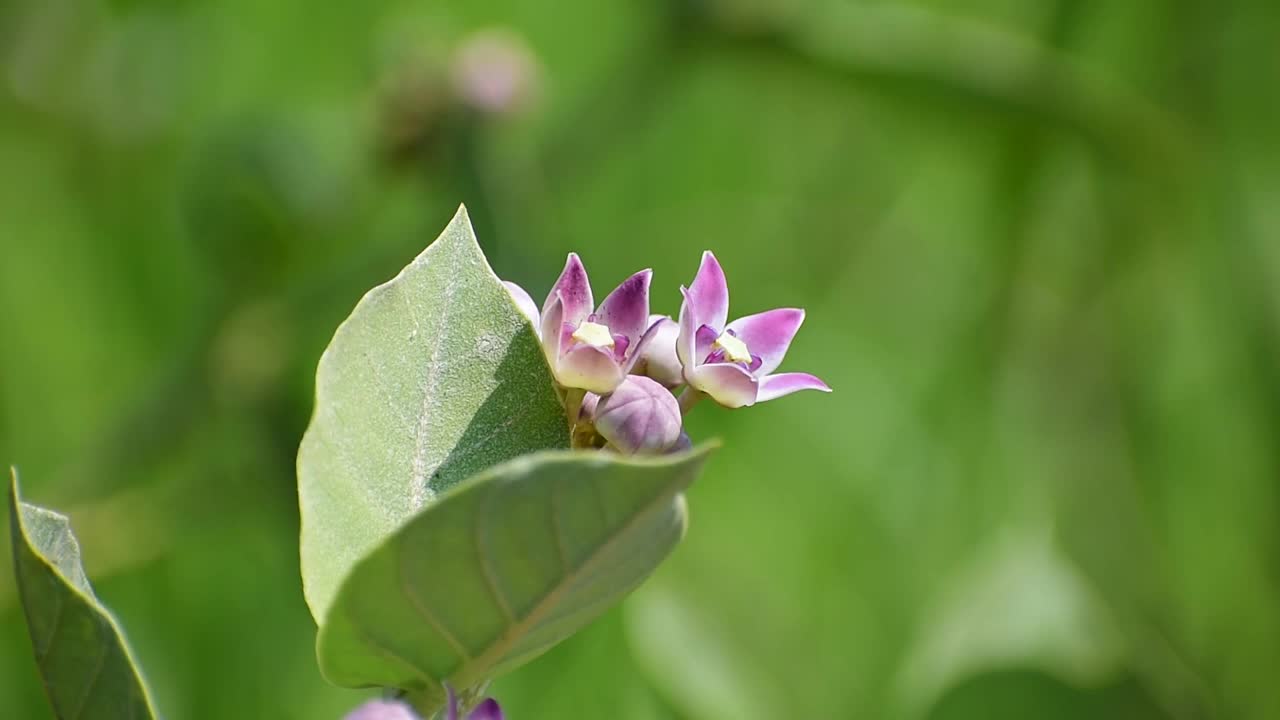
<point x="617" y="367"/>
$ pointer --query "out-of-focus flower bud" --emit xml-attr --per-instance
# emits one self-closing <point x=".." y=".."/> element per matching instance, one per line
<point x="494" y="71"/>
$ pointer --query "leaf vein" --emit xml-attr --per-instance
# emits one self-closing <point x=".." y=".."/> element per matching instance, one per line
<point x="466" y="453"/>
<point x="424" y="611"/>
<point x="43" y="652"/>
<point x="486" y="563"/>
<point x="389" y="653"/>
<point x="93" y="679"/>
<point x="509" y="639"/>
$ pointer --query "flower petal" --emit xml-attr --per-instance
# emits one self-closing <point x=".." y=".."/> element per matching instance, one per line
<point x="708" y="295"/>
<point x="524" y="303"/>
<point x="658" y="359"/>
<point x="382" y="710"/>
<point x="768" y="334"/>
<point x="574" y="290"/>
<point x="688" y="332"/>
<point x="588" y="410"/>
<point x="620" y="345"/>
<point x="552" y="321"/>
<point x="590" y="368"/>
<point x="626" y="310"/>
<point x="727" y="384"/>
<point x="487" y="710"/>
<point x="775" y="386"/>
<point x="641" y="347"/>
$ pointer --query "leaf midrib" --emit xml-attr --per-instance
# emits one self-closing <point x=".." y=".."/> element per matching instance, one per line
<point x="418" y="490"/>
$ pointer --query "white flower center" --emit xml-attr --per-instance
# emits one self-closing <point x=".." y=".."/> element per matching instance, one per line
<point x="734" y="349"/>
<point x="594" y="334"/>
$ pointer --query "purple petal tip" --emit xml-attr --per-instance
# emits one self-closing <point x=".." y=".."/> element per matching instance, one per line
<point x="776" y="386"/>
<point x="487" y="710"/>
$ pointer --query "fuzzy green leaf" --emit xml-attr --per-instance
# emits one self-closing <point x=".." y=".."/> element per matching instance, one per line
<point x="502" y="568"/>
<point x="88" y="671"/>
<point x="434" y="377"/>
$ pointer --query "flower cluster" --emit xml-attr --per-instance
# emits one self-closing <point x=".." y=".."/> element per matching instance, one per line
<point x="616" y="365"/>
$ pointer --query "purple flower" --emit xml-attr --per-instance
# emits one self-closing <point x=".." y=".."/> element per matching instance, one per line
<point x="733" y="362"/>
<point x="638" y="417"/>
<point x="396" y="710"/>
<point x="588" y="347"/>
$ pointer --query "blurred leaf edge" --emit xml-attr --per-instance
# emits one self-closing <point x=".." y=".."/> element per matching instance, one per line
<point x="30" y="557"/>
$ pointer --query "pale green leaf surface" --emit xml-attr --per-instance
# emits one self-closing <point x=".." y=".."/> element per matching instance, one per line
<point x="434" y="377"/>
<point x="84" y="661"/>
<point x="503" y="568"/>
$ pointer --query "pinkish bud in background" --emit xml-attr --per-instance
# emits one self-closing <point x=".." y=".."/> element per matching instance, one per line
<point x="494" y="71"/>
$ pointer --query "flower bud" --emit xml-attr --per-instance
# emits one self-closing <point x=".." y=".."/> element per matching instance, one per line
<point x="639" y="417"/>
<point x="495" y="71"/>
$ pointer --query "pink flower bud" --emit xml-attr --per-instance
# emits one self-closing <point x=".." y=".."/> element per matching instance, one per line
<point x="639" y="417"/>
<point x="495" y="71"/>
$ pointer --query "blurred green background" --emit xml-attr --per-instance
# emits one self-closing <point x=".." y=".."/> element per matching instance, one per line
<point x="1038" y="240"/>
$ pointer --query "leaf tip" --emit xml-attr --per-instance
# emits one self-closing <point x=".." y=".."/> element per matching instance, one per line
<point x="461" y="222"/>
<point x="460" y="230"/>
<point x="15" y="497"/>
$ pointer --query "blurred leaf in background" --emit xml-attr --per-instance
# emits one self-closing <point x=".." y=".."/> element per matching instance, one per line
<point x="1037" y="241"/>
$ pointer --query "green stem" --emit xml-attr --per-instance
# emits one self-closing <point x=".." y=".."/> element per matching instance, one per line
<point x="688" y="399"/>
<point x="573" y="404"/>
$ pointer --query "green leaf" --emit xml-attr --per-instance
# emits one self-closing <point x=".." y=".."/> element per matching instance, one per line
<point x="434" y="377"/>
<point x="86" y="665"/>
<point x="502" y="568"/>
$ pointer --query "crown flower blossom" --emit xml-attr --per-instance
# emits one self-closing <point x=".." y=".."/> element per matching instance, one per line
<point x="588" y="347"/>
<point x="734" y="362"/>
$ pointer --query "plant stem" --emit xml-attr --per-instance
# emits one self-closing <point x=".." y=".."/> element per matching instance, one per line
<point x="573" y="404"/>
<point x="688" y="399"/>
